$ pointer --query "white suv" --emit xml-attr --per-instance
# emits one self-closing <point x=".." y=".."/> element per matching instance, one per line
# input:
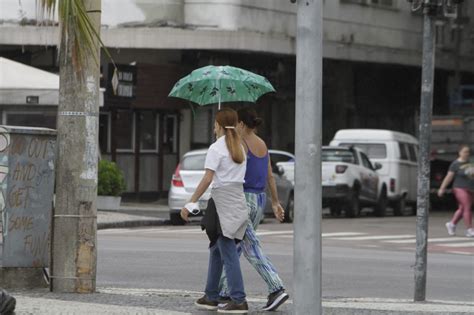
<point x="350" y="181"/>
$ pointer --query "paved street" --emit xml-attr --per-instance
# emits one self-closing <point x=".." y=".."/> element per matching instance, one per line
<point x="364" y="257"/>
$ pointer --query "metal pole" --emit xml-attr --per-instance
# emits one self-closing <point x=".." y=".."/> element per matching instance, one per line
<point x="74" y="246"/>
<point x="307" y="227"/>
<point x="426" y="106"/>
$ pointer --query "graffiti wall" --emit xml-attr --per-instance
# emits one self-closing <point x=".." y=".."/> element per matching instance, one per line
<point x="27" y="188"/>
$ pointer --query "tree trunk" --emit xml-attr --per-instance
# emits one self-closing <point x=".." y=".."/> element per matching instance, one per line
<point x="74" y="234"/>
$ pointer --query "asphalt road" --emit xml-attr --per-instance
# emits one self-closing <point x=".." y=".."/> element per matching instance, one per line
<point x="364" y="257"/>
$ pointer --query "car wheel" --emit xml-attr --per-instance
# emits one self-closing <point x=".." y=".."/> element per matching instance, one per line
<point x="335" y="211"/>
<point x="381" y="207"/>
<point x="290" y="210"/>
<point x="353" y="207"/>
<point x="176" y="219"/>
<point x="399" y="207"/>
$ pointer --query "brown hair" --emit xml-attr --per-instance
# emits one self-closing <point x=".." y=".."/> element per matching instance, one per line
<point x="249" y="117"/>
<point x="228" y="118"/>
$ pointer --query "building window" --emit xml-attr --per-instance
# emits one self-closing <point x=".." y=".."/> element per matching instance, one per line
<point x="170" y="135"/>
<point x="148" y="132"/>
<point x="125" y="131"/>
<point x="31" y="119"/>
<point x="104" y="132"/>
<point x="202" y="127"/>
<point x="378" y="3"/>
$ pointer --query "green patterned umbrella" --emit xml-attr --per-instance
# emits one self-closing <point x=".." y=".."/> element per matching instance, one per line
<point x="219" y="84"/>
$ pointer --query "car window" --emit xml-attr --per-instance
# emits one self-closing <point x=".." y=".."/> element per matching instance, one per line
<point x="403" y="151"/>
<point x="366" y="161"/>
<point x="335" y="155"/>
<point x="373" y="150"/>
<point x="193" y="162"/>
<point x="277" y="158"/>
<point x="412" y="152"/>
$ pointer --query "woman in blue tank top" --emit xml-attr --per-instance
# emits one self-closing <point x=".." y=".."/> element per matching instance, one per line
<point x="258" y="174"/>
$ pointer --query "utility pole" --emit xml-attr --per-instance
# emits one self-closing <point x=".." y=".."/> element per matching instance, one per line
<point x="74" y="239"/>
<point x="431" y="9"/>
<point x="307" y="227"/>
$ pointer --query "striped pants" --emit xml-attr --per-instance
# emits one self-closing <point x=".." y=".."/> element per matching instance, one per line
<point x="250" y="246"/>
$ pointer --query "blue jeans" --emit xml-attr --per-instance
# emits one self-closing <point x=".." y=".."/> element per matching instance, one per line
<point x="224" y="253"/>
<point x="252" y="250"/>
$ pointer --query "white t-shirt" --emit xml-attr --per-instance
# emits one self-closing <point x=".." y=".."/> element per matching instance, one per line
<point x="219" y="160"/>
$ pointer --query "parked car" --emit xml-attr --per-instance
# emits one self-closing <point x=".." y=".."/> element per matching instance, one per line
<point x="439" y="169"/>
<point x="285" y="189"/>
<point x="285" y="160"/>
<point x="189" y="173"/>
<point x="184" y="182"/>
<point x="350" y="181"/>
<point x="396" y="152"/>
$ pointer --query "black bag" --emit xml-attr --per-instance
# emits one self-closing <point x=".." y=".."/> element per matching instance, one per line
<point x="7" y="303"/>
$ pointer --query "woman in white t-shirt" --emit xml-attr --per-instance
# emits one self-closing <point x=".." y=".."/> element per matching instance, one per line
<point x="225" y="168"/>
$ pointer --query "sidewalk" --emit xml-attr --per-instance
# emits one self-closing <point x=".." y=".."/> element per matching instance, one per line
<point x="173" y="302"/>
<point x="134" y="215"/>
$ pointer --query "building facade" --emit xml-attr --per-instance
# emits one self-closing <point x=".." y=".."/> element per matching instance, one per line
<point x="371" y="69"/>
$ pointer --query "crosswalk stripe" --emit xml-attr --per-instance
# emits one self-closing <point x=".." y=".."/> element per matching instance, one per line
<point x="342" y="234"/>
<point x="372" y="238"/>
<point x="273" y="233"/>
<point x="430" y="240"/>
<point x="464" y="244"/>
<point x="459" y="253"/>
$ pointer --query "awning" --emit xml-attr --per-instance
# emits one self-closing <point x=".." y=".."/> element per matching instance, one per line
<point x="25" y="85"/>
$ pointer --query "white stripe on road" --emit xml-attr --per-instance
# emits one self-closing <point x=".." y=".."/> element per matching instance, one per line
<point x="430" y="240"/>
<point x="459" y="253"/>
<point x="372" y="238"/>
<point x="273" y="233"/>
<point x="329" y="235"/>
<point x="343" y="234"/>
<point x="465" y="244"/>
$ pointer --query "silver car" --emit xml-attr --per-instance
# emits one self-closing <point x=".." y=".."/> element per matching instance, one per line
<point x="189" y="173"/>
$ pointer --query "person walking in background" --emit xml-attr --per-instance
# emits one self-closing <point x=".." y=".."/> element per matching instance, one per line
<point x="258" y="174"/>
<point x="461" y="173"/>
<point x="225" y="168"/>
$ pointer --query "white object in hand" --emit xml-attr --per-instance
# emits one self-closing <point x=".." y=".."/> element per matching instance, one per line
<point x="192" y="207"/>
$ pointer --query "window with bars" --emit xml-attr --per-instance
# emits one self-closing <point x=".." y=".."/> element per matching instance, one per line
<point x="379" y="3"/>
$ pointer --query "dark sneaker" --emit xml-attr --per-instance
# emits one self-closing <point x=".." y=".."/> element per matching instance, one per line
<point x="204" y="304"/>
<point x="7" y="303"/>
<point x="223" y="300"/>
<point x="275" y="300"/>
<point x="233" y="308"/>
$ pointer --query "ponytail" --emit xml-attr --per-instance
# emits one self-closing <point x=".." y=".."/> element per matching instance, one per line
<point x="234" y="145"/>
<point x="227" y="118"/>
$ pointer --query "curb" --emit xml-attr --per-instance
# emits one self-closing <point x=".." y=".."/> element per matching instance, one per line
<point x="131" y="223"/>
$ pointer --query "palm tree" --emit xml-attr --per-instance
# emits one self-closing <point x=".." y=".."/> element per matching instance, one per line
<point x="74" y="226"/>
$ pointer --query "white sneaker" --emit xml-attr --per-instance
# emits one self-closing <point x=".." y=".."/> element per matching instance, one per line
<point x="470" y="232"/>
<point x="451" y="228"/>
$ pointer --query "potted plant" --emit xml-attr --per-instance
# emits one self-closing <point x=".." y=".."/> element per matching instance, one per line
<point x="110" y="186"/>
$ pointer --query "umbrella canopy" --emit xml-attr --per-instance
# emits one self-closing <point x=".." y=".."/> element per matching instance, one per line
<point x="219" y="84"/>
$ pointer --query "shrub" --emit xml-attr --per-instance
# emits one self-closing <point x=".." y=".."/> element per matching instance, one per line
<point x="111" y="181"/>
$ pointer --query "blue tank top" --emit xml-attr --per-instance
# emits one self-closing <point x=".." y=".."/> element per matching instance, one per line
<point x="256" y="174"/>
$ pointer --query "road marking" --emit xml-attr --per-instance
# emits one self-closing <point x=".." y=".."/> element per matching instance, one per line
<point x="343" y="234"/>
<point x="459" y="253"/>
<point x="430" y="240"/>
<point x="372" y="238"/>
<point x="464" y="244"/>
<point x="329" y="235"/>
<point x="264" y="233"/>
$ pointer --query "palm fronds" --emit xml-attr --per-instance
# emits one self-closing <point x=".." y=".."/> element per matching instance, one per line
<point x="74" y="21"/>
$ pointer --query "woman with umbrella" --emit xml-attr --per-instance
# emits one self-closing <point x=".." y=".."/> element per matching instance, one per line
<point x="257" y="176"/>
<point x="225" y="168"/>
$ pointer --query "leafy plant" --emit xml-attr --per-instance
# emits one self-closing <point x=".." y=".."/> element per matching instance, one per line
<point x="111" y="181"/>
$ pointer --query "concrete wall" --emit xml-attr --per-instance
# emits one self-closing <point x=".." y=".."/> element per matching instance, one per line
<point x="352" y="31"/>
